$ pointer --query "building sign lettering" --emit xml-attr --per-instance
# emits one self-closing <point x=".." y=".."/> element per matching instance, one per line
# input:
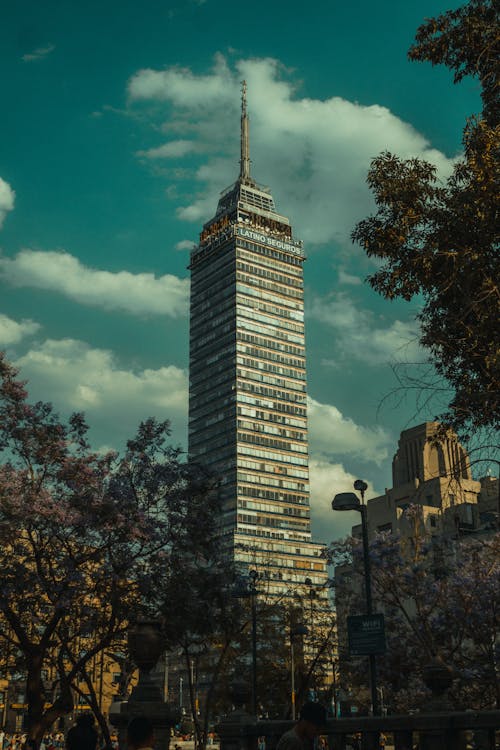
<point x="265" y="239"/>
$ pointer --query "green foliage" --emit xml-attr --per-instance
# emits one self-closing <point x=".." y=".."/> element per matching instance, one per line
<point x="440" y="240"/>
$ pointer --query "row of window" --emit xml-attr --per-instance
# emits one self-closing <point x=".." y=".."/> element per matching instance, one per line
<point x="264" y="355"/>
<point x="266" y="478"/>
<point x="197" y="408"/>
<point x="284" y="556"/>
<point x="262" y="390"/>
<point x="291" y="299"/>
<point x="257" y="377"/>
<point x="261" y="272"/>
<point x="204" y="443"/>
<point x="267" y="429"/>
<point x="217" y="271"/>
<point x="217" y="316"/>
<point x="301" y="513"/>
<point x="259" y="439"/>
<point x="286" y="293"/>
<point x="215" y="306"/>
<point x="274" y="295"/>
<point x="269" y="343"/>
<point x="207" y="407"/>
<point x="225" y="353"/>
<point x="198" y="341"/>
<point x="283" y="497"/>
<point x="270" y="417"/>
<point x="270" y="522"/>
<point x="290" y="260"/>
<point x="258" y="364"/>
<point x="212" y="377"/>
<point x="201" y="299"/>
<point x="283" y="458"/>
<point x="274" y="468"/>
<point x="203" y="409"/>
<point x="261" y="259"/>
<point x="276" y="405"/>
<point x="254" y="301"/>
<point x="244" y="313"/>
<point x="250" y="324"/>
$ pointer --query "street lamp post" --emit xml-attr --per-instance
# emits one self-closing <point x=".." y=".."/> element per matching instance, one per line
<point x="296" y="630"/>
<point x="243" y="591"/>
<point x="312" y="596"/>
<point x="253" y="601"/>
<point x="350" y="501"/>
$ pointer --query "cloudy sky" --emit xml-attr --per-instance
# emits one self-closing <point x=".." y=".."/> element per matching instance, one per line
<point x="119" y="128"/>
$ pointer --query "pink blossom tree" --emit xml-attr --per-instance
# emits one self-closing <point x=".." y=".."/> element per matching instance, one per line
<point x="441" y="599"/>
<point x="84" y="539"/>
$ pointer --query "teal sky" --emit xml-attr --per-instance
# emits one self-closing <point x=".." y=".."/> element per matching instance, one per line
<point x="119" y="127"/>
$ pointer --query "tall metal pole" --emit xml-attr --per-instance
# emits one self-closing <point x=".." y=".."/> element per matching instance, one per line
<point x="292" y="660"/>
<point x="369" y="605"/>
<point x="254" y="650"/>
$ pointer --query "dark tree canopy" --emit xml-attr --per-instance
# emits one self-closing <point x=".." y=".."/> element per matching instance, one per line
<point x="440" y="239"/>
<point x="467" y="41"/>
<point x="441" y="599"/>
<point x="84" y="539"/>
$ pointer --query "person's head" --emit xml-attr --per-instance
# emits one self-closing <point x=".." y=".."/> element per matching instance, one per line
<point x="312" y="719"/>
<point x="85" y="720"/>
<point x="140" y="733"/>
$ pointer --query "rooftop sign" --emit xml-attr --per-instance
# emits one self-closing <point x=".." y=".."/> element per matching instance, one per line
<point x="291" y="246"/>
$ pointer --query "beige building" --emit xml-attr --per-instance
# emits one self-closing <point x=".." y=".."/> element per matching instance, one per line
<point x="432" y="470"/>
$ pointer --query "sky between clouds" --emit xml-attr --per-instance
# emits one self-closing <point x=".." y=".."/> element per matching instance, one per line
<point x="122" y="130"/>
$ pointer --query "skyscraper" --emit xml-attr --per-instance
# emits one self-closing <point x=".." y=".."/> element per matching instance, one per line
<point x="247" y="393"/>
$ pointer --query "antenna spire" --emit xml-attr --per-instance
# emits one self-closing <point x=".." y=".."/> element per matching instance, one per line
<point x="245" y="139"/>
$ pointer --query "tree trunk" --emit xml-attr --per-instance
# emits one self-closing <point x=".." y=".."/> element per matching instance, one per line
<point x="35" y="696"/>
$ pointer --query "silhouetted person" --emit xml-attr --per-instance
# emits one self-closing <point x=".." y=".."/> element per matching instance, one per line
<point x="301" y="737"/>
<point x="83" y="736"/>
<point x="140" y="734"/>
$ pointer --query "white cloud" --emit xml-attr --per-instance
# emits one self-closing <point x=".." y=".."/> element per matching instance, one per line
<point x="184" y="87"/>
<point x="11" y="332"/>
<point x="185" y="245"/>
<point x="330" y="433"/>
<point x="326" y="480"/>
<point x="7" y="196"/>
<point x="170" y="150"/>
<point x="40" y="53"/>
<point x="360" y="335"/>
<point x="349" y="279"/>
<point x="77" y="377"/>
<point x="314" y="153"/>
<point x="141" y="294"/>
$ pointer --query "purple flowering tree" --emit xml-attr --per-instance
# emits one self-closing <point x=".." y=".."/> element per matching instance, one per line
<point x="84" y="540"/>
<point x="441" y="599"/>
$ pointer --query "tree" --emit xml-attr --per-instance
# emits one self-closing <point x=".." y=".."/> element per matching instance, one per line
<point x="202" y="622"/>
<point x="441" y="240"/>
<point x="84" y="538"/>
<point x="440" y="597"/>
<point x="208" y="621"/>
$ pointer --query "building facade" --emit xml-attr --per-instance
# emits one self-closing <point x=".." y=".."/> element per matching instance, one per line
<point x="431" y="470"/>
<point x="247" y="391"/>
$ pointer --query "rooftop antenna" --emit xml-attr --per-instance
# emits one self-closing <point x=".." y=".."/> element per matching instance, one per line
<point x="245" y="140"/>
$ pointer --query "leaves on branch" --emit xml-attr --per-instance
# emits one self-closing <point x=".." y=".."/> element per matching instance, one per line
<point x="440" y="239"/>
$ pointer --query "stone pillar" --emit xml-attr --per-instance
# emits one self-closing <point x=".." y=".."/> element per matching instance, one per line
<point x="233" y="731"/>
<point x="438" y="678"/>
<point x="145" y="644"/>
